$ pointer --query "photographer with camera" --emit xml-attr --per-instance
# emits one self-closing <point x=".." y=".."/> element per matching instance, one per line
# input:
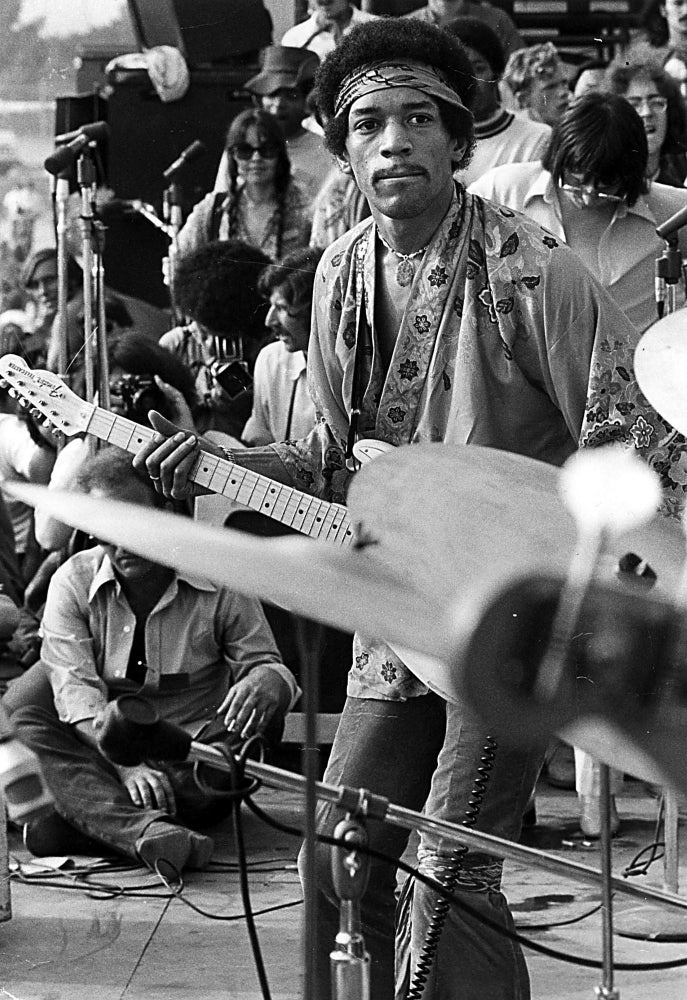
<point x="216" y="288"/>
<point x="137" y="367"/>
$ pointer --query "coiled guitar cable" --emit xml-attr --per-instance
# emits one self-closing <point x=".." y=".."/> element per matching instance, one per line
<point x="451" y="875"/>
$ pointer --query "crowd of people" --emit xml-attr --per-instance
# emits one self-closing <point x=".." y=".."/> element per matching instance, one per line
<point x="423" y="229"/>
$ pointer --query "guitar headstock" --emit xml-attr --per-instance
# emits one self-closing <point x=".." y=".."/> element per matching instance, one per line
<point x="46" y="393"/>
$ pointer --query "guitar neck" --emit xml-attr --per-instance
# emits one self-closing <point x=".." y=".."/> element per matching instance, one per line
<point x="300" y="511"/>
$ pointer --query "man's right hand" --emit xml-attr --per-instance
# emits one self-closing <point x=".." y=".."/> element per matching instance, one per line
<point x="167" y="459"/>
<point x="148" y="788"/>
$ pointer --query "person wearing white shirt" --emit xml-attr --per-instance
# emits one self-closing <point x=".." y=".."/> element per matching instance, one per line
<point x="590" y="191"/>
<point x="282" y="405"/>
<point x="329" y="21"/>
<point x="501" y="136"/>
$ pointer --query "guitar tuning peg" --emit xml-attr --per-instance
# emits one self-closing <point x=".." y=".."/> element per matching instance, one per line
<point x="13" y="393"/>
<point x="3" y="383"/>
<point x="36" y="414"/>
<point x="25" y="403"/>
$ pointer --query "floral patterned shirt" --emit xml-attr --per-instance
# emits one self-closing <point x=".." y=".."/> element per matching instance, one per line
<point x="507" y="341"/>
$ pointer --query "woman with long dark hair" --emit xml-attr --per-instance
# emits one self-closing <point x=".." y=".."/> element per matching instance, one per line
<point x="262" y="205"/>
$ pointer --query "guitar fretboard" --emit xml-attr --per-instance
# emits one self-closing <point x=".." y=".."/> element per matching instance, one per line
<point x="297" y="510"/>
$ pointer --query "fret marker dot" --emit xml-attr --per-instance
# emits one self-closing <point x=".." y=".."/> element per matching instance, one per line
<point x="318" y="518"/>
<point x="334" y="527"/>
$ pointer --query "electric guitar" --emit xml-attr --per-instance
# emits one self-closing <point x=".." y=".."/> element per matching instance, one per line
<point x="47" y="394"/>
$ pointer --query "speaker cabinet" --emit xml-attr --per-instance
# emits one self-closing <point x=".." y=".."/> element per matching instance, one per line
<point x="146" y="136"/>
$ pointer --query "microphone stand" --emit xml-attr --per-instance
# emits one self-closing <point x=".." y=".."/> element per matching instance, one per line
<point x="61" y="196"/>
<point x="94" y="313"/>
<point x="132" y="731"/>
<point x="172" y="214"/>
<point x="86" y="177"/>
<point x="350" y="962"/>
<point x="668" y="272"/>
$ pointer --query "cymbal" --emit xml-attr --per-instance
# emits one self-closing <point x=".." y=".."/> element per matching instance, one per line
<point x="454" y="519"/>
<point x="660" y="364"/>
<point x="444" y="524"/>
<point x="345" y="588"/>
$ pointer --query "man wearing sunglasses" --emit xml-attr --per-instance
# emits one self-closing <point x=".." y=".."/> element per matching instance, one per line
<point x="590" y="190"/>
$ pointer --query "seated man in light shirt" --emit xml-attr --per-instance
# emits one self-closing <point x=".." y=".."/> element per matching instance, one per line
<point x="204" y="656"/>
<point x="329" y="21"/>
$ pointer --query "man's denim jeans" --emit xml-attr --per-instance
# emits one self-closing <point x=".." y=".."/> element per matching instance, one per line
<point x="392" y="748"/>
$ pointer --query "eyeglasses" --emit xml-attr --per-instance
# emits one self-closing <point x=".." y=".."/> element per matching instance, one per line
<point x="266" y="150"/>
<point x="585" y="194"/>
<point x="654" y="103"/>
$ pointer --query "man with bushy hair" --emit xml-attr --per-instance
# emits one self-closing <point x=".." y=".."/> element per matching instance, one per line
<point x="442" y="318"/>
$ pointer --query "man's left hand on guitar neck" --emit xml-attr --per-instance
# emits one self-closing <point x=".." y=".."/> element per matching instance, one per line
<point x="169" y="456"/>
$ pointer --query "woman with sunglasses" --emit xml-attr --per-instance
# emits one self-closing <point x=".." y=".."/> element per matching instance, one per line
<point x="639" y="77"/>
<point x="262" y="205"/>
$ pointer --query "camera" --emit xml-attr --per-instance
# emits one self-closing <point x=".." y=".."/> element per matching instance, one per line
<point x="138" y="393"/>
<point x="232" y="376"/>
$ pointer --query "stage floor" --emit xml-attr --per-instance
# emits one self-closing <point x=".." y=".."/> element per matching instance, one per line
<point x="66" y="944"/>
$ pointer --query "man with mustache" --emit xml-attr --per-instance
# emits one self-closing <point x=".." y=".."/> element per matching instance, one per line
<point x="442" y="318"/>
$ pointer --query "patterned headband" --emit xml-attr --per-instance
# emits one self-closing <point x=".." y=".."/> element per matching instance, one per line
<point x="382" y="75"/>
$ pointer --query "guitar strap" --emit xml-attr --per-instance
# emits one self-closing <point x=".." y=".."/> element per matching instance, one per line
<point x="362" y="336"/>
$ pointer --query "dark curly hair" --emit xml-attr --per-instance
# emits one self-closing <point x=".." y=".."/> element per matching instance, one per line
<point x="386" y="40"/>
<point x="217" y="285"/>
<point x="139" y="355"/>
<point x="479" y="36"/>
<point x="602" y="138"/>
<point x="268" y="130"/>
<point x="294" y="276"/>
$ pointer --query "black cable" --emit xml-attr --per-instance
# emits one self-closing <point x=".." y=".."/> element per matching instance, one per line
<point x="564" y="923"/>
<point x="231" y="918"/>
<point x="237" y="778"/>
<point x="459" y="902"/>
<point x="657" y="849"/>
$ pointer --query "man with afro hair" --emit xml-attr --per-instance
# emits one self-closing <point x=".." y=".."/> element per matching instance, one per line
<point x="442" y="317"/>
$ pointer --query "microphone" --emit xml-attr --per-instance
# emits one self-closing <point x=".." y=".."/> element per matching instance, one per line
<point x="94" y="130"/>
<point x="192" y="152"/>
<point x="63" y="158"/>
<point x="671" y="225"/>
